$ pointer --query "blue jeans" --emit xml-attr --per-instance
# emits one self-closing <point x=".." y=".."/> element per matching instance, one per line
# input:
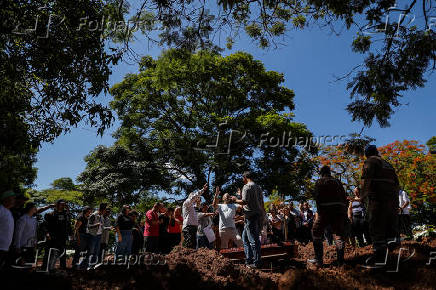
<point x="94" y="248"/>
<point x="251" y="240"/>
<point x="83" y="247"/>
<point x="125" y="247"/>
<point x="203" y="242"/>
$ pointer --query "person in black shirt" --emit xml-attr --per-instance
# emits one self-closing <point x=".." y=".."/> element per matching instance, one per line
<point x="137" y="234"/>
<point x="164" y="219"/>
<point x="123" y="227"/>
<point x="81" y="236"/>
<point x="58" y="227"/>
<point x="290" y="223"/>
<point x="239" y="220"/>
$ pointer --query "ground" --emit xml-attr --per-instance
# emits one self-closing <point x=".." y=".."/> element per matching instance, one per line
<point x="206" y="269"/>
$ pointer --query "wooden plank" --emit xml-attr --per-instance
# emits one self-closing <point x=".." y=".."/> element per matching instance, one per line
<point x="267" y="251"/>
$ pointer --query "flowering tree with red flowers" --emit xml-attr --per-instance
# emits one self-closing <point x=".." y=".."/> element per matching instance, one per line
<point x="416" y="170"/>
<point x="345" y="166"/>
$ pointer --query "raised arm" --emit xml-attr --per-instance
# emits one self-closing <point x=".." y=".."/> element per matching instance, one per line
<point x="215" y="198"/>
<point x="44" y="208"/>
<point x="194" y="194"/>
<point x="243" y="200"/>
<point x="95" y="223"/>
<point x="76" y="228"/>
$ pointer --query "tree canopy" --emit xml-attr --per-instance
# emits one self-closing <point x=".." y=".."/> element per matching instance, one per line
<point x="61" y="188"/>
<point x="119" y="175"/>
<point x="416" y="170"/>
<point x="51" y="72"/>
<point x="56" y="57"/>
<point x="202" y="117"/>
<point x="398" y="39"/>
<point x="431" y="144"/>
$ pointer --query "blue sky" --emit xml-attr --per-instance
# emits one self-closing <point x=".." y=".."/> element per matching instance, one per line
<point x="310" y="60"/>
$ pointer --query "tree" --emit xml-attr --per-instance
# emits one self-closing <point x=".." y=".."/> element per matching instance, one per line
<point x="64" y="183"/>
<point x="119" y="175"/>
<point x="17" y="157"/>
<point x="52" y="69"/>
<point x="62" y="188"/>
<point x="416" y="170"/>
<point x="431" y="144"/>
<point x="398" y="39"/>
<point x="206" y="117"/>
<point x="345" y="166"/>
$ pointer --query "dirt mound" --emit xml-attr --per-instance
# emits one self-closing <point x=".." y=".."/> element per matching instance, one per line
<point x="406" y="269"/>
<point x="207" y="269"/>
<point x="181" y="269"/>
<point x="213" y="267"/>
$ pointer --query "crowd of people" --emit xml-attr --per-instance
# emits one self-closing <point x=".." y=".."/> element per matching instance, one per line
<point x="230" y="220"/>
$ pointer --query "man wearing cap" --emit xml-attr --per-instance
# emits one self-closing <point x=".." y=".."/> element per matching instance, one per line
<point x="380" y="188"/>
<point x="331" y="203"/>
<point x="7" y="201"/>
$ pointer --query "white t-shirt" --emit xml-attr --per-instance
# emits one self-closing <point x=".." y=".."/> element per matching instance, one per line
<point x="6" y="228"/>
<point x="188" y="210"/>
<point x="25" y="232"/>
<point x="95" y="218"/>
<point x="226" y="216"/>
<point x="403" y="199"/>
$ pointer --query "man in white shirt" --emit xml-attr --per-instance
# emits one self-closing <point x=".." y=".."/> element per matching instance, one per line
<point x="107" y="226"/>
<point x="7" y="201"/>
<point x="25" y="234"/>
<point x="226" y="224"/>
<point x="95" y="229"/>
<point x="404" y="213"/>
<point x="190" y="219"/>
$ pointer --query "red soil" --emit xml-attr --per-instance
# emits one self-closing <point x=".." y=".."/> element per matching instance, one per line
<point x="206" y="269"/>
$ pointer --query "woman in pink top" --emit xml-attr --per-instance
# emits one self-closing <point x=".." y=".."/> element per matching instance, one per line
<point x="151" y="232"/>
<point x="175" y="226"/>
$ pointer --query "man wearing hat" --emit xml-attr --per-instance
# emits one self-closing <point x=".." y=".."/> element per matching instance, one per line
<point x="380" y="188"/>
<point x="7" y="201"/>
